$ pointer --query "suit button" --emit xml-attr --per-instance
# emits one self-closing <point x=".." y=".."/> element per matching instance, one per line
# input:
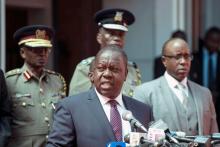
<point x="24" y="104"/>
<point x="46" y="119"/>
<point x="43" y="105"/>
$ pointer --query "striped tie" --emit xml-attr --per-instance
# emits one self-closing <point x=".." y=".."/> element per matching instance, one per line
<point x="115" y="120"/>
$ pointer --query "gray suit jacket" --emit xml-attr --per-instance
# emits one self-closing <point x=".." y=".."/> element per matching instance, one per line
<point x="80" y="121"/>
<point x="158" y="95"/>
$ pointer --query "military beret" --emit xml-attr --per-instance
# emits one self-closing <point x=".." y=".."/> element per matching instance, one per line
<point x="34" y="36"/>
<point x="117" y="19"/>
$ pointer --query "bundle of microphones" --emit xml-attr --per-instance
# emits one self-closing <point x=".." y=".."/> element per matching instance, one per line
<point x="159" y="135"/>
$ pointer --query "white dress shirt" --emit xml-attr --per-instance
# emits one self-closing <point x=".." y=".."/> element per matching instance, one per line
<point x="126" y="127"/>
<point x="173" y="84"/>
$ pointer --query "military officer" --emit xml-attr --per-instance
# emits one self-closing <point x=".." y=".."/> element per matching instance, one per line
<point x="34" y="90"/>
<point x="113" y="25"/>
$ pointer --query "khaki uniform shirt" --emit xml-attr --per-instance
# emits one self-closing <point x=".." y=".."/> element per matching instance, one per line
<point x="33" y="102"/>
<point x="80" y="81"/>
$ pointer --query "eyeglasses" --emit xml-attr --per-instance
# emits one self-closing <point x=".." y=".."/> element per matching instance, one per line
<point x="188" y="57"/>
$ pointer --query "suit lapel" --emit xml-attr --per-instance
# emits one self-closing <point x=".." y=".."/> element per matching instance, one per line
<point x="167" y="98"/>
<point x="99" y="114"/>
<point x="197" y="97"/>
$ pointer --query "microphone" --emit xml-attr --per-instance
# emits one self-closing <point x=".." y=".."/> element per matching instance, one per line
<point x="203" y="141"/>
<point x="160" y="124"/>
<point x="127" y="115"/>
<point x="137" y="139"/>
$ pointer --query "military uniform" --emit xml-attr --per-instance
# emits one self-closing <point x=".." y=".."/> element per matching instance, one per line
<point x="33" y="102"/>
<point x="109" y="19"/>
<point x="80" y="81"/>
<point x="33" y="89"/>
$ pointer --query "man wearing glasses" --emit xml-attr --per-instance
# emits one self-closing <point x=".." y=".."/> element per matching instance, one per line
<point x="182" y="104"/>
<point x="33" y="89"/>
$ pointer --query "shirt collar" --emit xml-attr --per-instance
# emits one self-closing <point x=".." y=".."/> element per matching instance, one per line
<point x="104" y="100"/>
<point x="173" y="82"/>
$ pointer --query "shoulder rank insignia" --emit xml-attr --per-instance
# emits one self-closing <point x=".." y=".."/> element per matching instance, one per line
<point x="50" y="71"/>
<point x="64" y="84"/>
<point x="13" y="72"/>
<point x="87" y="61"/>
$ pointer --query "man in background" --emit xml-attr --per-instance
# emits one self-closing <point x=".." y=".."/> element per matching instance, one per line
<point x="206" y="65"/>
<point x="182" y="104"/>
<point x="113" y="25"/>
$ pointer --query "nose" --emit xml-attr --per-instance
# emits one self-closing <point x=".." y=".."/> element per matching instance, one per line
<point x="107" y="73"/>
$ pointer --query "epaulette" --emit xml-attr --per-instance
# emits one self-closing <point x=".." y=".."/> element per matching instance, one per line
<point x="87" y="61"/>
<point x="133" y="64"/>
<point x="13" y="72"/>
<point x="61" y="78"/>
<point x="50" y="71"/>
<point x="64" y="90"/>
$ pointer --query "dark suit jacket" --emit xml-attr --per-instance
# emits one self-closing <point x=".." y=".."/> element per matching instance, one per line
<point x="4" y="112"/>
<point x="80" y="121"/>
<point x="159" y="68"/>
<point x="196" y="75"/>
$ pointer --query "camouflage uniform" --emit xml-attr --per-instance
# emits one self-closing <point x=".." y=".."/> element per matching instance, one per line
<point x="80" y="81"/>
<point x="33" y="102"/>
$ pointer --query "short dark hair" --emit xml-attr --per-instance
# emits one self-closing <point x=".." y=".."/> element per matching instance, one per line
<point x="113" y="48"/>
<point x="212" y="30"/>
<point x="167" y="42"/>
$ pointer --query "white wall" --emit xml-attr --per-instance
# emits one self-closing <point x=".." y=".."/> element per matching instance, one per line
<point x="140" y="37"/>
<point x="211" y="14"/>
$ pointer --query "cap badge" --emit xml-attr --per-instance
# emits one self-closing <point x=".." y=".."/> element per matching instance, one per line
<point x="118" y="16"/>
<point x="40" y="34"/>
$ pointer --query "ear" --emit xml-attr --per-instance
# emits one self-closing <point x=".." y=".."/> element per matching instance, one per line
<point x="91" y="77"/>
<point x="22" y="53"/>
<point x="126" y="73"/>
<point x="99" y="38"/>
<point x="164" y="61"/>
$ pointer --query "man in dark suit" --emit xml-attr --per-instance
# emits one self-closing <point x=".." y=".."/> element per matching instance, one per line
<point x="5" y="130"/>
<point x="182" y="104"/>
<point x="206" y="65"/>
<point x="85" y="119"/>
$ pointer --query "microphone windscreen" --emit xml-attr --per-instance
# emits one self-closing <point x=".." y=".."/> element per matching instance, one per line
<point x="127" y="115"/>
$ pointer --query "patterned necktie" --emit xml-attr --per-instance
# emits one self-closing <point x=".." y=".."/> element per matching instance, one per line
<point x="115" y="120"/>
<point x="182" y="88"/>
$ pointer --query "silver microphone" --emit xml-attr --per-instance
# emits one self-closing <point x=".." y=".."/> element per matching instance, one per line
<point x="127" y="115"/>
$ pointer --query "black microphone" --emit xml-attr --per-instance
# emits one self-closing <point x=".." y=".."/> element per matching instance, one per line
<point x="160" y="124"/>
<point x="127" y="115"/>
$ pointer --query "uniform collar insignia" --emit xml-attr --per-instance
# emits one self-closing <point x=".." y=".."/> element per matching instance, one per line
<point x="27" y="75"/>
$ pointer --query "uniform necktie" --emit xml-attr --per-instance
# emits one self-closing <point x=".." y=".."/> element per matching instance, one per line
<point x="115" y="120"/>
<point x="184" y="96"/>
